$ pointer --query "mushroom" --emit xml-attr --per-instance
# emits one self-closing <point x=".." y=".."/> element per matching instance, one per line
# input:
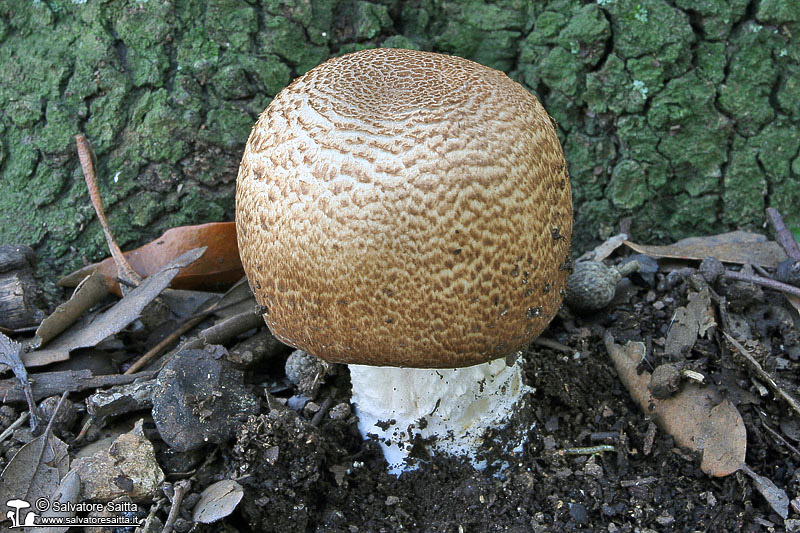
<point x="409" y="214"/>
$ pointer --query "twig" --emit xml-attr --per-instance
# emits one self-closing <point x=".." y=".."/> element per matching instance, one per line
<point x="84" y="429"/>
<point x="764" y="282"/>
<point x="14" y="425"/>
<point x="317" y="418"/>
<point x="763" y="375"/>
<point x="780" y="438"/>
<point x="190" y="323"/>
<point x="10" y="351"/>
<point x="179" y="489"/>
<point x="50" y="383"/>
<point x="586" y="450"/>
<point x="124" y="269"/>
<point x="783" y="236"/>
<point x="166" y="342"/>
<point x="554" y="345"/>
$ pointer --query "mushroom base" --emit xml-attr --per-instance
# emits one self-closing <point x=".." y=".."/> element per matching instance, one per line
<point x="449" y="409"/>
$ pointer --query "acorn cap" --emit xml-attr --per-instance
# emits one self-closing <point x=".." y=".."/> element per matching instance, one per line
<point x="405" y="208"/>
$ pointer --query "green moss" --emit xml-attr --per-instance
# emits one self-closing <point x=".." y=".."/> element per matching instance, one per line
<point x="590" y="160"/>
<point x="287" y="39"/>
<point x="593" y="221"/>
<point x="400" y="41"/>
<point x="22" y="158"/>
<point x="785" y="197"/>
<point x="639" y="25"/>
<point x="160" y="133"/>
<point x="144" y="208"/>
<point x="61" y="125"/>
<point x="230" y="83"/>
<point x="230" y="24"/>
<point x="143" y="29"/>
<point x="647" y="73"/>
<point x="613" y="89"/>
<point x="227" y="126"/>
<point x="564" y="109"/>
<point x="694" y="136"/>
<point x="690" y="216"/>
<point x="586" y="34"/>
<point x="370" y="19"/>
<point x="628" y="186"/>
<point x="788" y="93"/>
<point x="744" y="185"/>
<point x="777" y="145"/>
<point x="778" y="11"/>
<point x="751" y="74"/>
<point x="716" y="18"/>
<point x="26" y="110"/>
<point x="47" y="184"/>
<point x="711" y="61"/>
<point x="486" y="33"/>
<point x="547" y="28"/>
<point x="269" y="73"/>
<point x="564" y="72"/>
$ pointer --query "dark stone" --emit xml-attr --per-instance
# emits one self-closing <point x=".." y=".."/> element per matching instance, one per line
<point x="199" y="399"/>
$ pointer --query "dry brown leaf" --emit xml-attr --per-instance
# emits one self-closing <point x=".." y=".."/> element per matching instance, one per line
<point x="776" y="497"/>
<point x="695" y="416"/>
<point x="738" y="247"/>
<point x="219" y="268"/>
<point x="89" y="292"/>
<point x="34" y="471"/>
<point x="112" y="321"/>
<point x="67" y="492"/>
<point x="689" y="322"/>
<point x="217" y="501"/>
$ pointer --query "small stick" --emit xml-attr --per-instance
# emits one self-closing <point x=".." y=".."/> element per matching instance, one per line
<point x="783" y="236"/>
<point x="586" y="450"/>
<point x="179" y="489"/>
<point x="554" y="345"/>
<point x="124" y="269"/>
<point x="84" y="430"/>
<point x="763" y="375"/>
<point x="14" y="425"/>
<point x="317" y="418"/>
<point x="780" y="438"/>
<point x="764" y="282"/>
<point x="167" y="341"/>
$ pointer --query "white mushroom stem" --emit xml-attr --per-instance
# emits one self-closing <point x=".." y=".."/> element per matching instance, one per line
<point x="451" y="407"/>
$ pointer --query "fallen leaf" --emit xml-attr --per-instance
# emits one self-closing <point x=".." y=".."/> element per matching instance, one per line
<point x="738" y="247"/>
<point x="689" y="322"/>
<point x="68" y="491"/>
<point x="219" y="268"/>
<point x="776" y="498"/>
<point x="28" y="476"/>
<point x="89" y="292"/>
<point x="695" y="416"/>
<point x="117" y="317"/>
<point x="217" y="501"/>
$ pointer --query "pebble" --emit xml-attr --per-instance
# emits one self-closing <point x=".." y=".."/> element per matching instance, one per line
<point x="200" y="399"/>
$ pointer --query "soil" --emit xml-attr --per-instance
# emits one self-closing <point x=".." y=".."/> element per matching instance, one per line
<point x="325" y="478"/>
<point x="592" y="460"/>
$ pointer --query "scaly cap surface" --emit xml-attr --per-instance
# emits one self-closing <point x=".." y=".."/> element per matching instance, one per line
<point x="405" y="208"/>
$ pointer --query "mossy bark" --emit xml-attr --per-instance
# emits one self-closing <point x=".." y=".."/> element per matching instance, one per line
<point x="682" y="115"/>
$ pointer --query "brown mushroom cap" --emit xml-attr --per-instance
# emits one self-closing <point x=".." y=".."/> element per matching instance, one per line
<point x="405" y="208"/>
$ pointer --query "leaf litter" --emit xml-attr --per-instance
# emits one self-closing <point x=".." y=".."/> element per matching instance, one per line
<point x="296" y="469"/>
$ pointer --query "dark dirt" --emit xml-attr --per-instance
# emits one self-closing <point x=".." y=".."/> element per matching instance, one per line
<point x="309" y="470"/>
<point x="301" y="477"/>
